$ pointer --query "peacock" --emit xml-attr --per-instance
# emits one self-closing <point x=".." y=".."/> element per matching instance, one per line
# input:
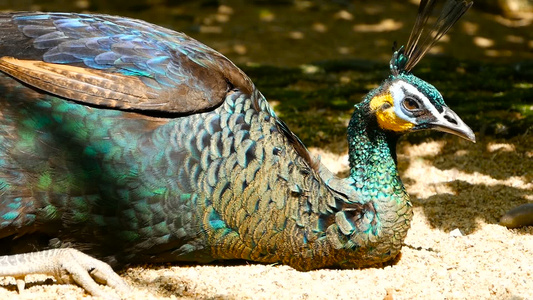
<point x="123" y="142"/>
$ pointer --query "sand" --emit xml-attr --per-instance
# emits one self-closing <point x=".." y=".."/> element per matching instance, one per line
<point x="455" y="248"/>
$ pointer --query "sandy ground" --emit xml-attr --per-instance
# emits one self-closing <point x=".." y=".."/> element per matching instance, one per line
<point x="454" y="250"/>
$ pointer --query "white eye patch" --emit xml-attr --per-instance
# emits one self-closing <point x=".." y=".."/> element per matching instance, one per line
<point x="400" y="90"/>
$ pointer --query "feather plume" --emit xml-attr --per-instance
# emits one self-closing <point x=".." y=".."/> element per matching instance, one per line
<point x="426" y="33"/>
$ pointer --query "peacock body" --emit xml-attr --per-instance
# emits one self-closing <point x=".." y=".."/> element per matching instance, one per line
<point x="134" y="143"/>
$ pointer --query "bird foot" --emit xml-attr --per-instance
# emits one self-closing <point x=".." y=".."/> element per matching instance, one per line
<point x="67" y="266"/>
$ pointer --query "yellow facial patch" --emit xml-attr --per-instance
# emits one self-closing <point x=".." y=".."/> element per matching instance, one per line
<point x="387" y="118"/>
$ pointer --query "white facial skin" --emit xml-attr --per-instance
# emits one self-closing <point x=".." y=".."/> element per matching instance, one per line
<point x="410" y="103"/>
<point x="413" y="106"/>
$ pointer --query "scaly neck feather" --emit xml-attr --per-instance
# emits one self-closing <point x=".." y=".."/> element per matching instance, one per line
<point x="373" y="220"/>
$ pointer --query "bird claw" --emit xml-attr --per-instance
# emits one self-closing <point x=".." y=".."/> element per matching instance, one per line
<point x="87" y="272"/>
<point x="21" y="284"/>
<point x="67" y="266"/>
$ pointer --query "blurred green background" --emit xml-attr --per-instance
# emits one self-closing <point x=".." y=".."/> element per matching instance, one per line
<point x="315" y="59"/>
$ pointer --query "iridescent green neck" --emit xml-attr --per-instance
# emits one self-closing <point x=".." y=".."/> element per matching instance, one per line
<point x="371" y="148"/>
<point x="374" y="184"/>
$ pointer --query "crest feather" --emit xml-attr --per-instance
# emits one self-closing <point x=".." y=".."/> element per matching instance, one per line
<point x="425" y="33"/>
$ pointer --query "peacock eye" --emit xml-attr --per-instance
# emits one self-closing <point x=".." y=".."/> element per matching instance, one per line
<point x="411" y="104"/>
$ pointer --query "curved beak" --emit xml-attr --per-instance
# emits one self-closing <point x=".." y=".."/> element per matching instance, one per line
<point x="448" y="121"/>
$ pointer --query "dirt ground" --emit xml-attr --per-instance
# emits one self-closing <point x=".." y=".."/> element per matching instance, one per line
<point x="455" y="248"/>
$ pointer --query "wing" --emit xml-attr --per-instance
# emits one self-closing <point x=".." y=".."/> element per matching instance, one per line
<point x="116" y="62"/>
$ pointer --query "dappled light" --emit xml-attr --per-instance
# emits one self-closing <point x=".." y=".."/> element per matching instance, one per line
<point x="441" y="179"/>
<point x="493" y="147"/>
<point x="483" y="42"/>
<point x="313" y="61"/>
<point x="305" y="31"/>
<point x="384" y="25"/>
<point x="454" y="191"/>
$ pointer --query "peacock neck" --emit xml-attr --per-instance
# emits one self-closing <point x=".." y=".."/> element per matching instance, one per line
<point x="372" y="151"/>
<point x="375" y="215"/>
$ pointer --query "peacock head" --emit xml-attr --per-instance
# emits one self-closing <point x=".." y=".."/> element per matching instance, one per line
<point x="406" y="103"/>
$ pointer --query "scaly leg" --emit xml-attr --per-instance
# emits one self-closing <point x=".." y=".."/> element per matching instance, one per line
<point x="67" y="265"/>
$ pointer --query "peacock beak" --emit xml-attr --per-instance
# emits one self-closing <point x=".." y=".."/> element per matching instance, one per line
<point x="448" y="121"/>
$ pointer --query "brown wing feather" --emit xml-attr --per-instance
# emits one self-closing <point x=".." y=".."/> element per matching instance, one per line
<point x="115" y="90"/>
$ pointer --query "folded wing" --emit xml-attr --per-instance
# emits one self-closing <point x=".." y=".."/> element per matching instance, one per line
<point x="116" y="62"/>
